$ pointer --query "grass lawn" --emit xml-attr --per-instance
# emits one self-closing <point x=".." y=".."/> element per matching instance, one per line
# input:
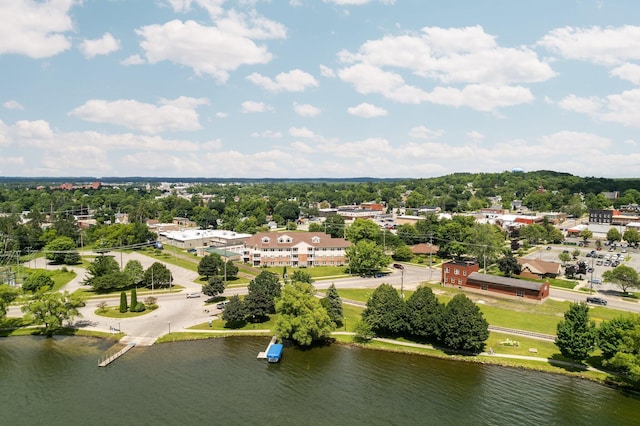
<point x="317" y="272"/>
<point x="114" y="312"/>
<point x="218" y="324"/>
<point x="88" y="293"/>
<point x="168" y="257"/>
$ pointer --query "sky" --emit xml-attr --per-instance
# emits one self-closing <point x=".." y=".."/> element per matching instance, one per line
<point x="318" y="88"/>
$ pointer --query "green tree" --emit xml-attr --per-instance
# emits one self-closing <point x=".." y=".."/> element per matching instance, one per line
<point x="37" y="280"/>
<point x="113" y="281"/>
<point x="585" y="234"/>
<point x="62" y="250"/>
<point x="363" y="229"/>
<point x="135" y="305"/>
<point x="402" y="253"/>
<point x="157" y="276"/>
<point x="334" y="225"/>
<point x="134" y="270"/>
<point x="424" y="313"/>
<point x="51" y="309"/>
<point x="363" y="332"/>
<point x="576" y="333"/>
<point x="631" y="236"/>
<point x="366" y="257"/>
<point x="623" y="276"/>
<point x="124" y="306"/>
<point x="564" y="257"/>
<point x="301" y="315"/>
<point x="210" y="265"/>
<point x="235" y="312"/>
<point x="534" y="233"/>
<point x="463" y="325"/>
<point x="7" y="295"/>
<point x="385" y="311"/>
<point x="611" y="334"/>
<point x="315" y="227"/>
<point x="214" y="287"/>
<point x="333" y="305"/>
<point x="302" y="276"/>
<point x="485" y="243"/>
<point x="509" y="265"/>
<point x="260" y="300"/>
<point x="101" y="265"/>
<point x="613" y="235"/>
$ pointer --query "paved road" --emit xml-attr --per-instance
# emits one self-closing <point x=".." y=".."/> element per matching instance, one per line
<point x="177" y="312"/>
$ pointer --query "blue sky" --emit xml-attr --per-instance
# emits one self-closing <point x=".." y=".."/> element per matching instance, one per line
<point x="318" y="88"/>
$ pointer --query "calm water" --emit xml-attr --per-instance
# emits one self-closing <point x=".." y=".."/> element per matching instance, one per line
<point x="57" y="382"/>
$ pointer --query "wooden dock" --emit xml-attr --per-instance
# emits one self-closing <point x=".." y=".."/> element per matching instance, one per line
<point x="108" y="359"/>
<point x="263" y="355"/>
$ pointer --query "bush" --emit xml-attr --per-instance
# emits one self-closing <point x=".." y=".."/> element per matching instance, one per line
<point x="138" y="308"/>
<point x="123" y="303"/>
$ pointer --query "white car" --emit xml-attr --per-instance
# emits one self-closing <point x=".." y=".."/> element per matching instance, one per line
<point x="192" y="295"/>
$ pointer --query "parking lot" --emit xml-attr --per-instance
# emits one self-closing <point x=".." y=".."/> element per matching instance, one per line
<point x="630" y="257"/>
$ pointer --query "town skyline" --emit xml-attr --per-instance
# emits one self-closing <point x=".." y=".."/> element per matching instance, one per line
<point x="300" y="89"/>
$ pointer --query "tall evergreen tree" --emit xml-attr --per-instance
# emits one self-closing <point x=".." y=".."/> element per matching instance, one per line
<point x="576" y="335"/>
<point x="463" y="325"/>
<point x="385" y="311"/>
<point x="123" y="303"/>
<point x="424" y="313"/>
<point x="333" y="304"/>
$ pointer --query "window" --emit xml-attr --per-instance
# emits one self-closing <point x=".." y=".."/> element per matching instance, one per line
<point x="456" y="271"/>
<point x="484" y="287"/>
<point x="446" y="269"/>
<point x="459" y="281"/>
<point x="265" y="239"/>
<point x="520" y="293"/>
<point x="464" y="273"/>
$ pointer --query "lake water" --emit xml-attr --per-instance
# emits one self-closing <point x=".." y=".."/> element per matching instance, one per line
<point x="57" y="382"/>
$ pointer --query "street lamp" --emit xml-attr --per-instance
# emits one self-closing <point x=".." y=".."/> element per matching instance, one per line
<point x="401" y="267"/>
<point x="169" y="327"/>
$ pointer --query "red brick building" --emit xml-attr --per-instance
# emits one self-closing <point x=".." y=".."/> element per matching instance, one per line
<point x="456" y="272"/>
<point x="508" y="286"/>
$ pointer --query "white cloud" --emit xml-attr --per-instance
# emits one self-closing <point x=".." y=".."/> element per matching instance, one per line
<point x="358" y="2"/>
<point x="422" y="132"/>
<point x="467" y="56"/>
<point x="302" y="132"/>
<point x="222" y="114"/>
<point x="293" y="81"/>
<point x="132" y="60"/>
<point x="607" y="46"/>
<point x="366" y="110"/>
<point x="629" y="72"/>
<point x="306" y="110"/>
<point x="368" y="79"/>
<point x="102" y="46"/>
<point x="481" y="97"/>
<point x="213" y="7"/>
<point x="475" y="136"/>
<point x="252" y="106"/>
<point x="171" y="115"/>
<point x="35" y="29"/>
<point x="38" y="129"/>
<point x="267" y="134"/>
<point x="623" y="108"/>
<point x="213" y="51"/>
<point x="578" y="104"/>
<point x="454" y="55"/>
<point x="327" y="72"/>
<point x="11" y="104"/>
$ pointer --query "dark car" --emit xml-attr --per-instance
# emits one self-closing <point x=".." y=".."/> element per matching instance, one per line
<point x="597" y="301"/>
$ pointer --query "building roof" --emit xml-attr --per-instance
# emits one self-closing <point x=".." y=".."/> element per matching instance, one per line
<point x="540" y="267"/>
<point x="424" y="248"/>
<point x="504" y="281"/>
<point x="195" y="234"/>
<point x="291" y="239"/>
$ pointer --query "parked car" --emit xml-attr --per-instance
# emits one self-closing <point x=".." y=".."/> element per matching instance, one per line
<point x="548" y="247"/>
<point x="192" y="295"/>
<point x="596" y="281"/>
<point x="597" y="301"/>
<point x="221" y="305"/>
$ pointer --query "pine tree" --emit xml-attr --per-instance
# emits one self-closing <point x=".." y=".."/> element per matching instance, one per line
<point x="576" y="335"/>
<point x="134" y="299"/>
<point x="333" y="304"/>
<point x="123" y="303"/>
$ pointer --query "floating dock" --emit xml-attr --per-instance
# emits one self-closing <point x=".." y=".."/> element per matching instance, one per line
<point x="263" y="355"/>
<point x="108" y="359"/>
<point x="275" y="352"/>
